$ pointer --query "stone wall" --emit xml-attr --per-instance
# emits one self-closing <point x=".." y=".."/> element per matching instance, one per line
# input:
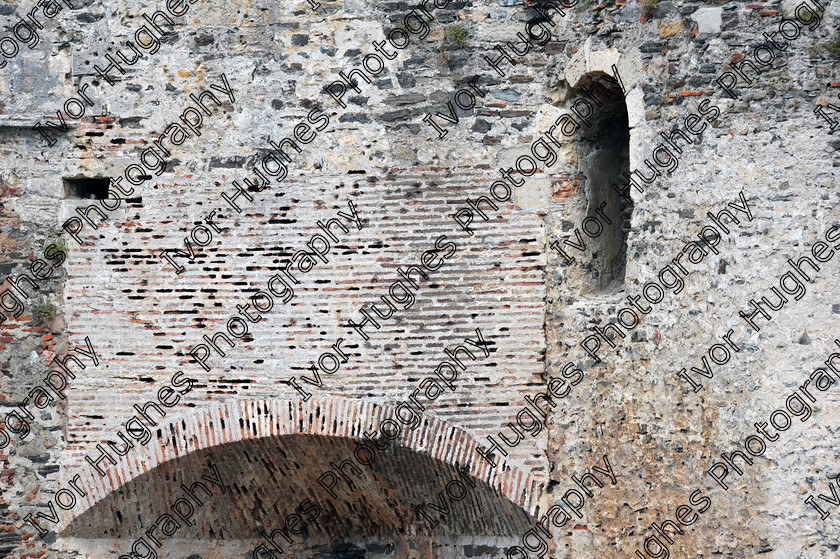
<point x="533" y="306"/>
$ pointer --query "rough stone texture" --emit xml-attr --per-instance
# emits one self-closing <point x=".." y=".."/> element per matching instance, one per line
<point x="708" y="19"/>
<point x="659" y="435"/>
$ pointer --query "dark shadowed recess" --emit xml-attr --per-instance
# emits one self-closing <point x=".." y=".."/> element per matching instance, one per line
<point x="268" y="478"/>
<point x="604" y="155"/>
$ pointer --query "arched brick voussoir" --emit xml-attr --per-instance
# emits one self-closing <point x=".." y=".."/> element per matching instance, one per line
<point x="239" y="420"/>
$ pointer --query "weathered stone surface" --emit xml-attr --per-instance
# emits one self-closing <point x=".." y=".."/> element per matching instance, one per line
<point x="533" y="306"/>
<point x="670" y="28"/>
<point x="788" y="8"/>
<point x="709" y="20"/>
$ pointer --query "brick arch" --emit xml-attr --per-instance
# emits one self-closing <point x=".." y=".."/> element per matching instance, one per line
<point x="241" y="420"/>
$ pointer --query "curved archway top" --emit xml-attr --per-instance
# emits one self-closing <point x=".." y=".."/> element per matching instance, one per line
<point x="239" y="420"/>
<point x="587" y="61"/>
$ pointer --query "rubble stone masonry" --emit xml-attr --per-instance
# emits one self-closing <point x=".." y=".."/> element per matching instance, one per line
<point x="529" y="206"/>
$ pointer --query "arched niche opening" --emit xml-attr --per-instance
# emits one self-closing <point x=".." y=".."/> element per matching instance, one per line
<point x="603" y="156"/>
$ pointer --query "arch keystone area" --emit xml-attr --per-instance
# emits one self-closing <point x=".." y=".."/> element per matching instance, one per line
<point x="587" y="61"/>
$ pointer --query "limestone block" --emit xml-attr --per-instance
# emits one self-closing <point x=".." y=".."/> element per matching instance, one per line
<point x="635" y="107"/>
<point x="708" y="20"/>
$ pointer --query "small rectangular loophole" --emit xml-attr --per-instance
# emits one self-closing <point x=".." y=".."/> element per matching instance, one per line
<point x="85" y="188"/>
